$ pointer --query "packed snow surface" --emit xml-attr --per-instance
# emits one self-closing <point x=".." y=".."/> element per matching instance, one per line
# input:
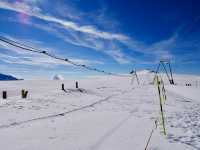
<point x="106" y="113"/>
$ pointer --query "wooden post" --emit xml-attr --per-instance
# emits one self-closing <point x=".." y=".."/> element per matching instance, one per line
<point x="63" y="87"/>
<point x="76" y="84"/>
<point x="24" y="93"/>
<point x="4" y="95"/>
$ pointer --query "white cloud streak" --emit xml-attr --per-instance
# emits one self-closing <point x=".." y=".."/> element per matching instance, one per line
<point x="90" y="37"/>
<point x="84" y="36"/>
<point x="14" y="55"/>
<point x="21" y="7"/>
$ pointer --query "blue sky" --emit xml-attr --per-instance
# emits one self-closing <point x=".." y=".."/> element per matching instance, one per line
<point x="113" y="35"/>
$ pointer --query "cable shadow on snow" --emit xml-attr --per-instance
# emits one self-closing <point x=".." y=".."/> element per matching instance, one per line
<point x="57" y="115"/>
<point x="81" y="91"/>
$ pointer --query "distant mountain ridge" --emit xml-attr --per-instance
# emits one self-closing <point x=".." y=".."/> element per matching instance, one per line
<point x="4" y="77"/>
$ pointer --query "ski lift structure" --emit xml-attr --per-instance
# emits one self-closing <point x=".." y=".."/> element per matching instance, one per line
<point x="165" y="64"/>
<point x="134" y="75"/>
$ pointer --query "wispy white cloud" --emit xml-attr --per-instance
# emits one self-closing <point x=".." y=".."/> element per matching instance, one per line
<point x="90" y="37"/>
<point x="84" y="36"/>
<point x="158" y="50"/>
<point x="39" y="60"/>
<point x="108" y="47"/>
<point x="19" y="7"/>
<point x="14" y="55"/>
<point x="119" y="56"/>
<point x="22" y="7"/>
<point x="163" y="48"/>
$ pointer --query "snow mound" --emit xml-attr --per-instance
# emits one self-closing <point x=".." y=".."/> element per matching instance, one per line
<point x="58" y="77"/>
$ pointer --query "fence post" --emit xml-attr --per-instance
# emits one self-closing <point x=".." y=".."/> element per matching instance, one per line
<point x="24" y="93"/>
<point x="4" y="95"/>
<point x="63" y="87"/>
<point x="161" y="105"/>
<point x="76" y="84"/>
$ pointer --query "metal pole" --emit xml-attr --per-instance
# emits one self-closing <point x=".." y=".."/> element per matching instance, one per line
<point x="132" y="80"/>
<point x="158" y="68"/>
<point x="170" y="69"/>
<point x="137" y="78"/>
<point x="166" y="72"/>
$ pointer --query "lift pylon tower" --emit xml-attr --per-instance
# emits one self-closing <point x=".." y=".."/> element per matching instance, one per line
<point x="134" y="73"/>
<point x="166" y="64"/>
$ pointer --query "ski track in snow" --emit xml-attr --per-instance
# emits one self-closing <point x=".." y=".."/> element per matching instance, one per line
<point x="55" y="115"/>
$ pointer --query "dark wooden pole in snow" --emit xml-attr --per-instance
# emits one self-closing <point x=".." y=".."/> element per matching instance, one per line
<point x="63" y="87"/>
<point x="76" y="84"/>
<point x="24" y="93"/>
<point x="4" y="95"/>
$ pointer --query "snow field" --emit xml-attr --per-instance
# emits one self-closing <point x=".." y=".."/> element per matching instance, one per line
<point x="110" y="114"/>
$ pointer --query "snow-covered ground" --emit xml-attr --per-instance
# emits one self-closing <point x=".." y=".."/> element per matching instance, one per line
<point x="108" y="113"/>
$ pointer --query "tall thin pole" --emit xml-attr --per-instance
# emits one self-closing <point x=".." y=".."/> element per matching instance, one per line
<point x="137" y="78"/>
<point x="166" y="72"/>
<point x="170" y="69"/>
<point x="158" y="68"/>
<point x="132" y="80"/>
